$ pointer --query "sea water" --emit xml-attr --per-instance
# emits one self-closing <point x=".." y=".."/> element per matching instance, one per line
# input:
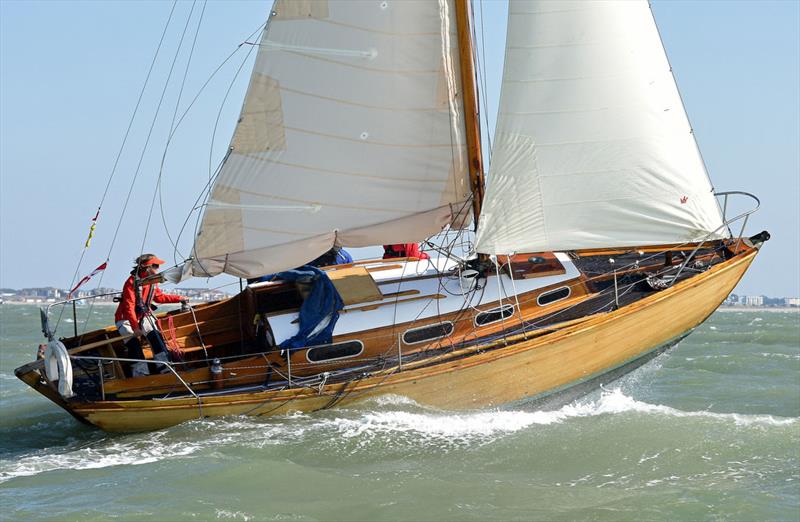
<point x="708" y="431"/>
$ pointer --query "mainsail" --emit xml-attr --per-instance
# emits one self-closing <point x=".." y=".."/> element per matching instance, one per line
<point x="593" y="147"/>
<point x="351" y="133"/>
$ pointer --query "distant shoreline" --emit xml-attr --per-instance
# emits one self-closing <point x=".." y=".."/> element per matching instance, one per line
<point x="720" y="309"/>
<point x="758" y="309"/>
<point x="96" y="303"/>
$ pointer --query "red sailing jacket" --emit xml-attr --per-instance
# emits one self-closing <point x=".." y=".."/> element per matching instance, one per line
<point x="126" y="311"/>
<point x="403" y="250"/>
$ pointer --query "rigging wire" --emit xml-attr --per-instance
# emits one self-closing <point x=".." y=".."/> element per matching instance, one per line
<point x="176" y="125"/>
<point x="138" y="168"/>
<point x="481" y="72"/>
<point x="121" y="149"/>
<point x="222" y="105"/>
<point x="172" y="133"/>
<point x="172" y="123"/>
<point x="186" y="112"/>
<point x="206" y="190"/>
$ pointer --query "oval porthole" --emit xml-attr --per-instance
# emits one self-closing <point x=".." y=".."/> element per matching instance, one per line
<point x="332" y="352"/>
<point x="428" y="333"/>
<point x="494" y="315"/>
<point x="553" y="295"/>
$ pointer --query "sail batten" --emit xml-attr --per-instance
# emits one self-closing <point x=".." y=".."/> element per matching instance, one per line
<point x="350" y="134"/>
<point x="593" y="147"/>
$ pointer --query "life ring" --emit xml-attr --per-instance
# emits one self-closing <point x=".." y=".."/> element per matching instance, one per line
<point x="57" y="366"/>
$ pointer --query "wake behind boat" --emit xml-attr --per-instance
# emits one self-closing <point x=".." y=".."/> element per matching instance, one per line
<point x="599" y="239"/>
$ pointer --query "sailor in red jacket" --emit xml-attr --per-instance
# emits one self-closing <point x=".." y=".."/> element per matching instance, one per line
<point x="403" y="250"/>
<point x="134" y="319"/>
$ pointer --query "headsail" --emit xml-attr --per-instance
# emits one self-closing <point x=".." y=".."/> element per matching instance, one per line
<point x="352" y="132"/>
<point x="593" y="147"/>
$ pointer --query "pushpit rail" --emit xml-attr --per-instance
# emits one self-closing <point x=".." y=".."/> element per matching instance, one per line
<point x="726" y="223"/>
<point x="169" y="365"/>
<point x="744" y="215"/>
<point x="45" y="312"/>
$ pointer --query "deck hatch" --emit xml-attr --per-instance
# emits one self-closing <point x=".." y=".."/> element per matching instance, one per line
<point x="332" y="352"/>
<point x="354" y="284"/>
<point x="494" y="315"/>
<point x="428" y="333"/>
<point x="553" y="295"/>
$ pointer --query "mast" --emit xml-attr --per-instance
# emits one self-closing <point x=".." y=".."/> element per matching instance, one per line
<point x="470" y="98"/>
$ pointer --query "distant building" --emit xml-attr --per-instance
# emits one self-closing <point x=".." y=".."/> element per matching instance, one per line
<point x="102" y="294"/>
<point x="732" y="300"/>
<point x="753" y="300"/>
<point x="791" y="301"/>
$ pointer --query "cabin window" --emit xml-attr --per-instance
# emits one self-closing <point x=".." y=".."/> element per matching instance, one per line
<point x="428" y="333"/>
<point x="553" y="295"/>
<point x="494" y="315"/>
<point x="332" y="352"/>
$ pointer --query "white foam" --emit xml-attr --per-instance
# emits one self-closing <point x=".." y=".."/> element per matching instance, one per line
<point x="95" y="457"/>
<point x="415" y="427"/>
<point x="780" y="355"/>
<point x="444" y="426"/>
<point x="234" y="515"/>
<point x="393" y="400"/>
<point x="616" y="402"/>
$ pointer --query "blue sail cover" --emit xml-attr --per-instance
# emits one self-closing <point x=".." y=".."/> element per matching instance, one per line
<point x="319" y="312"/>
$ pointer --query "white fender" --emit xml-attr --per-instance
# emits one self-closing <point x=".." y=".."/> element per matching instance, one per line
<point x="58" y="366"/>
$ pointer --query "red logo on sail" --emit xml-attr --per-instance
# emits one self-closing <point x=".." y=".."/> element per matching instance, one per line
<point x="684" y="199"/>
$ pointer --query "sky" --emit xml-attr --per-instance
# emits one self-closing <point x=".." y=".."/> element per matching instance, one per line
<point x="71" y="73"/>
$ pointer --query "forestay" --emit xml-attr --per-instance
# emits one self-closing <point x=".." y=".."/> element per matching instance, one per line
<point x="593" y="147"/>
<point x="351" y="133"/>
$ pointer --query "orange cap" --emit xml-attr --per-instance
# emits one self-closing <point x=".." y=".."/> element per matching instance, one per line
<point x="154" y="261"/>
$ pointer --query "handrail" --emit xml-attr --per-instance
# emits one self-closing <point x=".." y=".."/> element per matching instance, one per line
<point x="73" y="299"/>
<point x="738" y="193"/>
<point x="148" y="361"/>
<point x="46" y="311"/>
<point x="725" y="223"/>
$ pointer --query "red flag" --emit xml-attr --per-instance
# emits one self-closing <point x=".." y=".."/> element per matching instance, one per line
<point x="86" y="278"/>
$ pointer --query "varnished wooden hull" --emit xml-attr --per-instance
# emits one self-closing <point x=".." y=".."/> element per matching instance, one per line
<point x="538" y="368"/>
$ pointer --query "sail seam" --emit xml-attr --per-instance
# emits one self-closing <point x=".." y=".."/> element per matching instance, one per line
<point x="357" y="53"/>
<point x="375" y="31"/>
<point x="574" y="111"/>
<point x="619" y="73"/>
<point x="594" y="7"/>
<point x="362" y="67"/>
<point x="603" y="200"/>
<point x="371" y="142"/>
<point x="554" y="45"/>
<point x="356" y="104"/>
<point x="333" y="205"/>
<point x="344" y="173"/>
<point x="608" y="140"/>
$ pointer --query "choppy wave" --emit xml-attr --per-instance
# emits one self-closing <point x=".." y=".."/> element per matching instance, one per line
<point x="615" y="402"/>
<point x="405" y="422"/>
<point x="98" y="455"/>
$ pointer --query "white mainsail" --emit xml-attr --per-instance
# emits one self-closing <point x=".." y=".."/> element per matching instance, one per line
<point x="351" y="133"/>
<point x="593" y="147"/>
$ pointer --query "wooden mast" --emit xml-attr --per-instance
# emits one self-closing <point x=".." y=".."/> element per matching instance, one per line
<point x="470" y="99"/>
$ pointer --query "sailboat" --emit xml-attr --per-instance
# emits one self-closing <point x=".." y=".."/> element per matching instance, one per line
<point x="599" y="241"/>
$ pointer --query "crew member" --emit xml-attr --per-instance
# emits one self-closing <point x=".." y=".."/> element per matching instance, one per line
<point x="134" y="318"/>
<point x="335" y="256"/>
<point x="404" y="250"/>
